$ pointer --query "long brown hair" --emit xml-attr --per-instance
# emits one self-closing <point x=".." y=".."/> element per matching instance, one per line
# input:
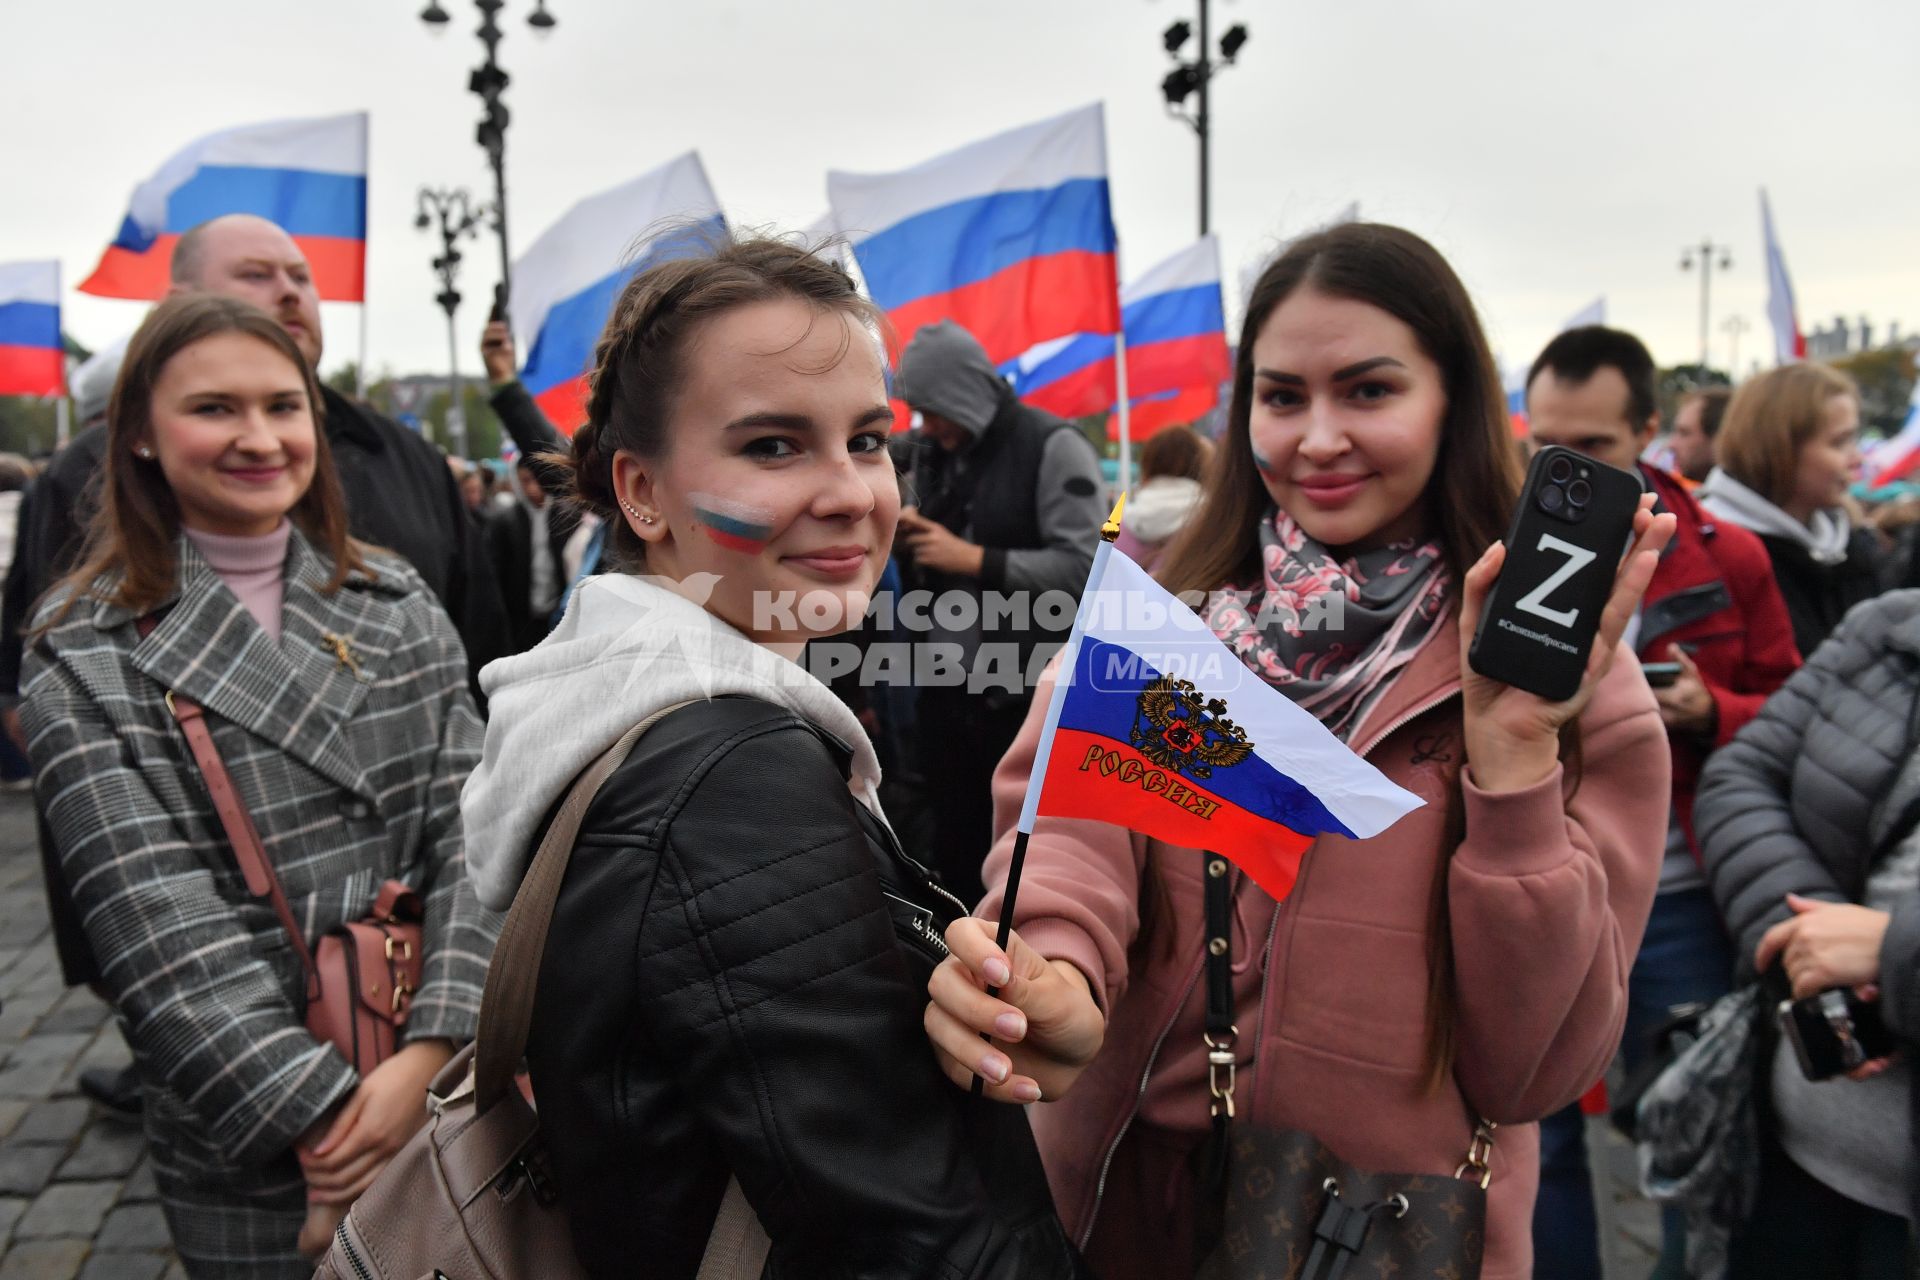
<point x="1476" y="479"/>
<point x="132" y="538"/>
<point x="1770" y="420"/>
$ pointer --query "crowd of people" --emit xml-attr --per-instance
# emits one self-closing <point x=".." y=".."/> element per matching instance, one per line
<point x="246" y="612"/>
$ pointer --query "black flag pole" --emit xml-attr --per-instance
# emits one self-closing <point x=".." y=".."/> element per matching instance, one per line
<point x="1037" y="777"/>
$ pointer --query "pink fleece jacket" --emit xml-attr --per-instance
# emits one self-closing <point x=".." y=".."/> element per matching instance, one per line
<point x="1548" y="895"/>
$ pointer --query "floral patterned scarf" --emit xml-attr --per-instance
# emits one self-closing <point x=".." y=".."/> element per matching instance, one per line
<point x="1328" y="633"/>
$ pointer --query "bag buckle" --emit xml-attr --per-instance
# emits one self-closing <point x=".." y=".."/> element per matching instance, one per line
<point x="401" y="991"/>
<point x="1220" y="1071"/>
<point x="399" y="949"/>
<point x="1478" y="1166"/>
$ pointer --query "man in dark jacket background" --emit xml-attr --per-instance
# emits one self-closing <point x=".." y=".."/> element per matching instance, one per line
<point x="528" y="542"/>
<point x="1714" y="610"/>
<point x="1006" y="511"/>
<point x="399" y="492"/>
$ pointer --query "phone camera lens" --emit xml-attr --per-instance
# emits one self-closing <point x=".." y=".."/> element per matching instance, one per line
<point x="1579" y="492"/>
<point x="1560" y="471"/>
<point x="1552" y="499"/>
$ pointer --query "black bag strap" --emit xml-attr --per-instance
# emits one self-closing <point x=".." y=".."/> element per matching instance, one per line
<point x="1217" y="895"/>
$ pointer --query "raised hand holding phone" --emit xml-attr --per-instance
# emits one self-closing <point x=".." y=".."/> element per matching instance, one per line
<point x="1513" y="732"/>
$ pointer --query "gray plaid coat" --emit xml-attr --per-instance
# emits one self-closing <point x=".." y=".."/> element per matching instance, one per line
<point x="352" y="776"/>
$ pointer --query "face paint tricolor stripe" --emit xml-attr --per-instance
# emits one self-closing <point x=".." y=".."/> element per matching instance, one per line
<point x="1260" y="461"/>
<point x="737" y="526"/>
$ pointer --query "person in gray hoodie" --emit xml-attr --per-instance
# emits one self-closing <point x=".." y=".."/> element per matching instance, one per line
<point x="1009" y="506"/>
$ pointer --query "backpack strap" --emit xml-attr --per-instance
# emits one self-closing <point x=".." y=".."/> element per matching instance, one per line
<point x="506" y="1005"/>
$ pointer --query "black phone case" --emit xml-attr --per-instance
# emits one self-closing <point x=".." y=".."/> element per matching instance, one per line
<point x="1536" y="631"/>
<point x="1817" y="1046"/>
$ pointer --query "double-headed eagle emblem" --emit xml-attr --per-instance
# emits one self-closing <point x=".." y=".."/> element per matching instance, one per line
<point x="1185" y="734"/>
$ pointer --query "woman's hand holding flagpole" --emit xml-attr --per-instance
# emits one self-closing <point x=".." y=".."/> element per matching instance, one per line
<point x="1037" y="779"/>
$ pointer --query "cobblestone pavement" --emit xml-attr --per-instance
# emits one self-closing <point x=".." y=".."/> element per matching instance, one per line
<point x="76" y="1197"/>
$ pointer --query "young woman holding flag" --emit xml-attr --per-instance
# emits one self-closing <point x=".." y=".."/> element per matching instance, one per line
<point x="1466" y="966"/>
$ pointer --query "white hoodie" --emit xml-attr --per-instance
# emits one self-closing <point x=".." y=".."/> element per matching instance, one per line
<point x="625" y="648"/>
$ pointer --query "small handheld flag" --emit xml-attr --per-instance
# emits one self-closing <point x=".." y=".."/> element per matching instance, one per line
<point x="1157" y="726"/>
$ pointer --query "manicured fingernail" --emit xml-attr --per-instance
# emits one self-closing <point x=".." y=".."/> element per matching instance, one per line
<point x="1010" y="1026"/>
<point x="1027" y="1091"/>
<point x="994" y="1067"/>
<point x="997" y="972"/>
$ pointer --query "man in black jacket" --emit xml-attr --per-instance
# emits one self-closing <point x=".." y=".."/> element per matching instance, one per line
<point x="1008" y="516"/>
<point x="400" y="494"/>
<point x="528" y="542"/>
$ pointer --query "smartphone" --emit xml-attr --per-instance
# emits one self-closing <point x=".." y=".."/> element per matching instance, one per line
<point x="1660" y="675"/>
<point x="1563" y="548"/>
<point x="1834" y="1032"/>
<point x="499" y="311"/>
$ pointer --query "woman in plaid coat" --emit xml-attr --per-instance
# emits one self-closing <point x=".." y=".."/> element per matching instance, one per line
<point x="336" y="693"/>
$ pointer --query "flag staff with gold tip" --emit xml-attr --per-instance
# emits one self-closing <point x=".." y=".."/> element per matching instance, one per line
<point x="1108" y="533"/>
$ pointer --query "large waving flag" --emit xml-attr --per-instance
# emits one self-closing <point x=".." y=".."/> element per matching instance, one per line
<point x="1011" y="237"/>
<point x="309" y="176"/>
<point x="32" y="357"/>
<point x="1898" y="456"/>
<point x="1177" y="353"/>
<point x="1156" y="726"/>
<point x="1789" y="343"/>
<point x="565" y="285"/>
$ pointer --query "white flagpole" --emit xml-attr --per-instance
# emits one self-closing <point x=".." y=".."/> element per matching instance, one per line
<point x="1126" y="408"/>
<point x="63" y="405"/>
<point x="1037" y="776"/>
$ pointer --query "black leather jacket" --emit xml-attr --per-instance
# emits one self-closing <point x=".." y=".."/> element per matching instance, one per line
<point x="734" y="984"/>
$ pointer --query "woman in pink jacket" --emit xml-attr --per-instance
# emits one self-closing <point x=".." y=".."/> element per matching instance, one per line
<point x="1472" y="960"/>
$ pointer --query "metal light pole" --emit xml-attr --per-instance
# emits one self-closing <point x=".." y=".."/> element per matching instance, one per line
<point x="1704" y="253"/>
<point x="1196" y="78"/>
<point x="488" y="82"/>
<point x="1733" y="326"/>
<point x="459" y="219"/>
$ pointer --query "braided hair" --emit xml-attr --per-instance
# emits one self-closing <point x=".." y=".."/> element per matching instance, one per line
<point x="637" y="364"/>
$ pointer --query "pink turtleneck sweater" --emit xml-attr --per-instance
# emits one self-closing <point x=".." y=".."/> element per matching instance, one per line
<point x="254" y="569"/>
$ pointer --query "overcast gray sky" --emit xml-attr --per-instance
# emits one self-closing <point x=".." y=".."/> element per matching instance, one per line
<point x="1553" y="152"/>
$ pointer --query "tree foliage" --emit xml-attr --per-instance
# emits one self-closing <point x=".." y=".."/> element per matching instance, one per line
<point x="1885" y="377"/>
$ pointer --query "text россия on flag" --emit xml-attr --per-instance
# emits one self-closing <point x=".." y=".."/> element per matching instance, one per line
<point x="1156" y="726"/>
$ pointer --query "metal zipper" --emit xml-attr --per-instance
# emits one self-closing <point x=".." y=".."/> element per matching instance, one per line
<point x="1140" y="1096"/>
<point x="345" y="1242"/>
<point x="1406" y="719"/>
<point x="920" y="921"/>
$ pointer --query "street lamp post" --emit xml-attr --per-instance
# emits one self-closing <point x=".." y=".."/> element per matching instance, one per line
<point x="1733" y="326"/>
<point x="459" y="219"/>
<point x="488" y="82"/>
<point x="1704" y="254"/>
<point x="1195" y="79"/>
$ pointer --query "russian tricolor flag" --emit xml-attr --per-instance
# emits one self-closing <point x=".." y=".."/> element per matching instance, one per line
<point x="1176" y="330"/>
<point x="32" y="356"/>
<point x="308" y="176"/>
<point x="1895" y="458"/>
<point x="1011" y="237"/>
<point x="564" y="287"/>
<point x="1156" y="726"/>
<point x="1789" y="344"/>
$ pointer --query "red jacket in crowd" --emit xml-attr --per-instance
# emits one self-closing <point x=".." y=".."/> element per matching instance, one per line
<point x="1714" y="595"/>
